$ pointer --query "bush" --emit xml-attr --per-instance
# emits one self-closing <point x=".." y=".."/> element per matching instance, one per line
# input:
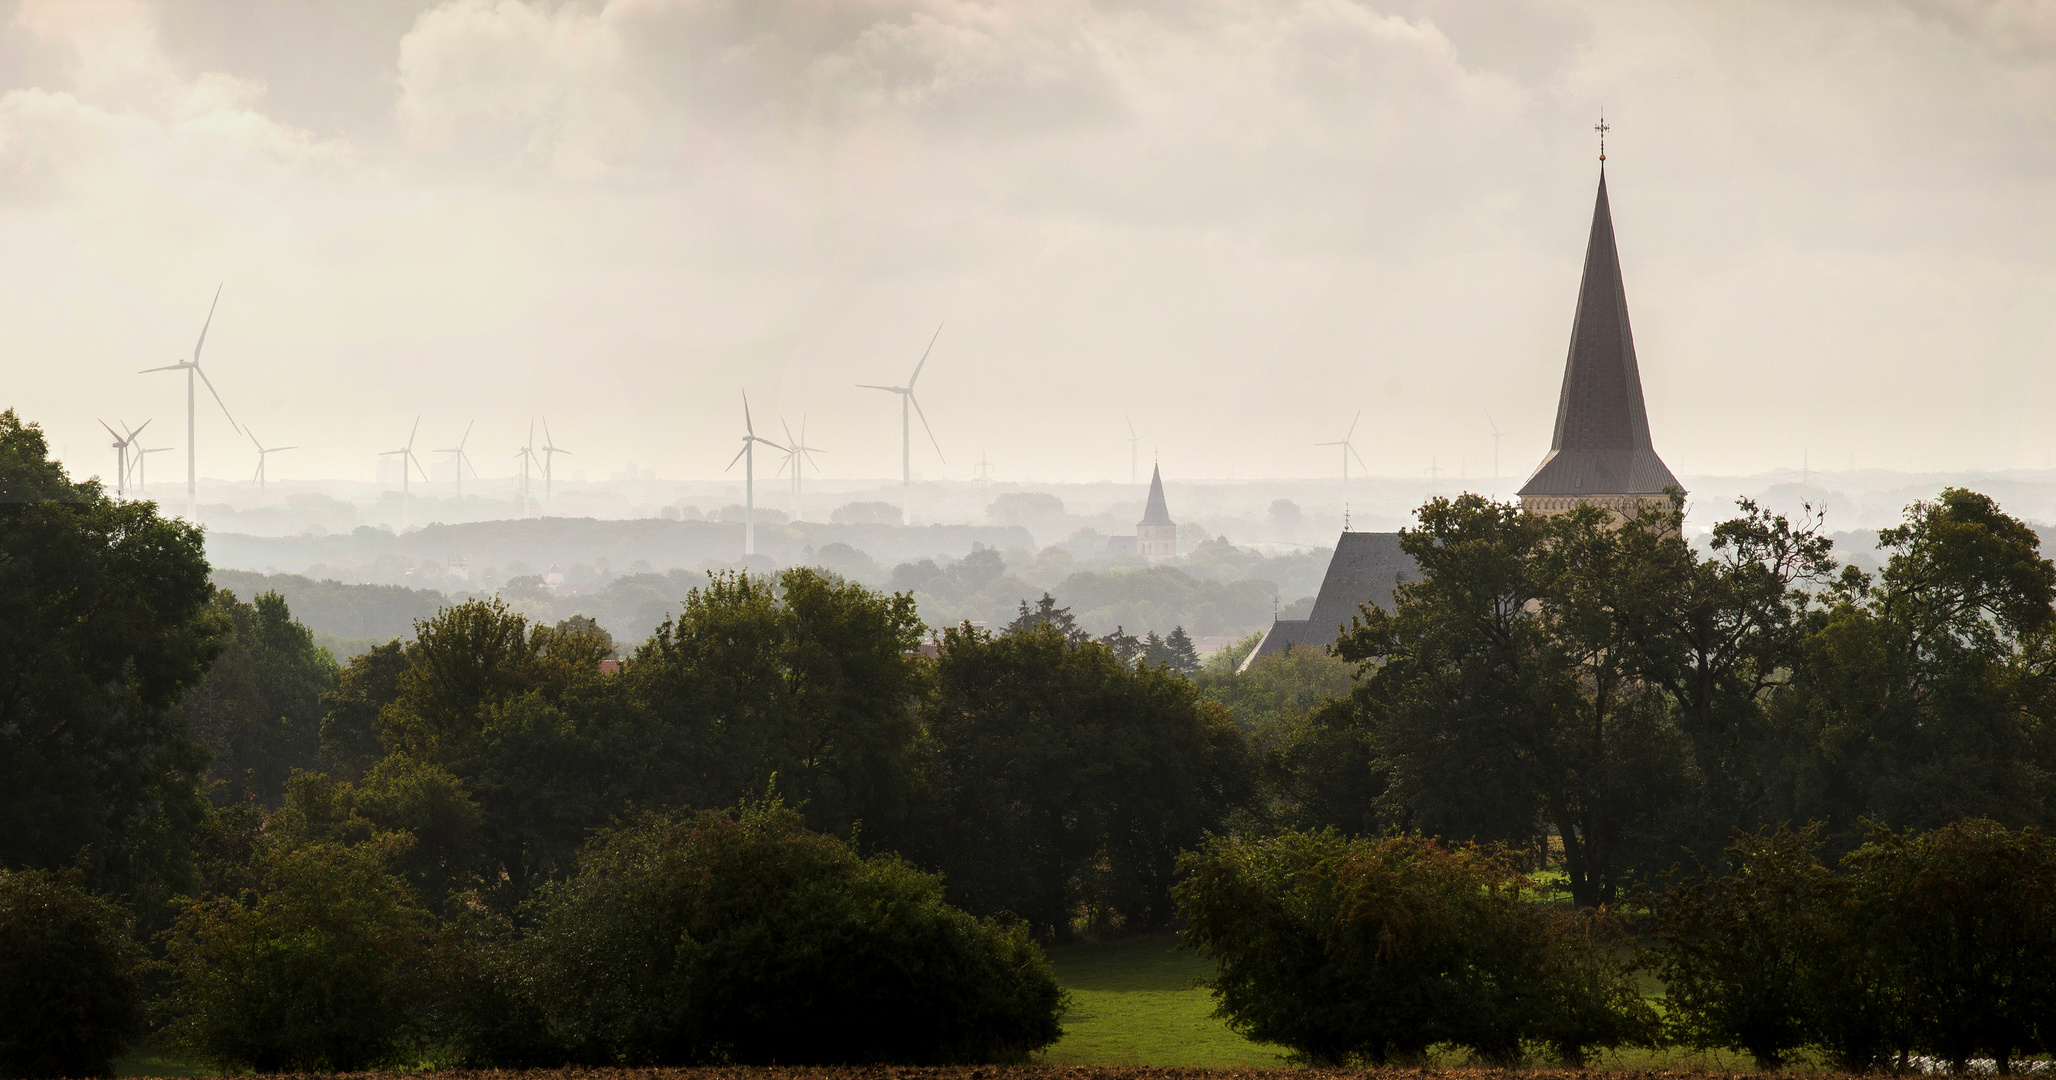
<point x="69" y="976"/>
<point x="742" y="937"/>
<point x="1375" y="950"/>
<point x="319" y="969"/>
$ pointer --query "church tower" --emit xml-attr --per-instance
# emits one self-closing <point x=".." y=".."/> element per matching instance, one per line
<point x="1156" y="535"/>
<point x="1601" y="452"/>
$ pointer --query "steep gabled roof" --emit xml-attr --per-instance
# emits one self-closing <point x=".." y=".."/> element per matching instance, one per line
<point x="1601" y="445"/>
<point x="1156" y="513"/>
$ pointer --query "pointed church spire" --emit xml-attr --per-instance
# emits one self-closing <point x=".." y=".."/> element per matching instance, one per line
<point x="1156" y="513"/>
<point x="1601" y="445"/>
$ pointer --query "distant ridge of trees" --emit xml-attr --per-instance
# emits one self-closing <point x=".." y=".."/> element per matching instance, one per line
<point x="342" y="609"/>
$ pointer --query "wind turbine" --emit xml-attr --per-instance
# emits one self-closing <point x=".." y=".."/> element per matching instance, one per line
<point x="550" y="452"/>
<point x="143" y="466"/>
<point x="1495" y="443"/>
<point x="192" y="368"/>
<point x="797" y="455"/>
<point x="406" y="456"/>
<point x="906" y="394"/>
<point x="1348" y="448"/>
<point x="459" y="458"/>
<point x="748" y="456"/>
<point x="121" y="459"/>
<point x="526" y="454"/>
<point x="1134" y="443"/>
<point x="263" y="452"/>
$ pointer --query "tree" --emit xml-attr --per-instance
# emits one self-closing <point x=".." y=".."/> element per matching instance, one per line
<point x="743" y="937"/>
<point x="1925" y="695"/>
<point x="349" y="724"/>
<point x="319" y="969"/>
<point x="104" y="623"/>
<point x="805" y="677"/>
<point x="1374" y="950"/>
<point x="445" y="852"/>
<point x="1741" y="955"/>
<point x="69" y="977"/>
<point x="1064" y="783"/>
<point x="259" y="709"/>
<point x="1047" y="613"/>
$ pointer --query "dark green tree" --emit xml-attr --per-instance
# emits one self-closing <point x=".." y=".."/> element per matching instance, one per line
<point x="1063" y="783"/>
<point x="743" y="937"/>
<point x="1371" y="951"/>
<point x="321" y="968"/>
<point x="104" y="623"/>
<point x="70" y="977"/>
<point x="258" y="712"/>
<point x="1047" y="613"/>
<point x="349" y="725"/>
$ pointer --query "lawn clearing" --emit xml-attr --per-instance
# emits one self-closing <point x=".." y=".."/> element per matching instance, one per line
<point x="1133" y="1002"/>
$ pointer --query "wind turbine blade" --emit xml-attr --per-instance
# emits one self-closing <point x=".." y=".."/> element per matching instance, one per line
<point x="747" y="427"/>
<point x="738" y="456"/>
<point x="1352" y="426"/>
<point x="217" y="397"/>
<point x="139" y="428"/>
<point x="276" y="449"/>
<point x="924" y="420"/>
<point x="253" y="440"/>
<point x="924" y="358"/>
<point x="1359" y="458"/>
<point x="413" y="432"/>
<point x="118" y="440"/>
<point x="788" y="430"/>
<point x="197" y="346"/>
<point x="168" y="367"/>
<point x="547" y="441"/>
<point x="860" y="386"/>
<point x="1489" y="422"/>
<point x="467" y="436"/>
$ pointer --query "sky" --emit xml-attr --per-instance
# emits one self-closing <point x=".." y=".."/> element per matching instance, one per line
<point x="1234" y="225"/>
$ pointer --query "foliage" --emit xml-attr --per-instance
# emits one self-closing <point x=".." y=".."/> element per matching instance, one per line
<point x="742" y="937"/>
<point x="1374" y="950"/>
<point x="1966" y="915"/>
<point x="69" y="977"/>
<point x="1276" y="688"/>
<point x="347" y="611"/>
<point x="1741" y="955"/>
<point x="349" y="723"/>
<point x="1063" y="782"/>
<point x="104" y="623"/>
<point x="320" y="968"/>
<point x="399" y="795"/>
<point x="258" y="711"/>
<point x="1047" y="613"/>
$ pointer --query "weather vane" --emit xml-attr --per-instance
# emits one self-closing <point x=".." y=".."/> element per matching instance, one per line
<point x="1602" y="128"/>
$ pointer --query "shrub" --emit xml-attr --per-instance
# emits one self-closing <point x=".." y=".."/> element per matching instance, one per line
<point x="69" y="974"/>
<point x="742" y="937"/>
<point x="319" y="969"/>
<point x="1741" y="954"/>
<point x="1375" y="950"/>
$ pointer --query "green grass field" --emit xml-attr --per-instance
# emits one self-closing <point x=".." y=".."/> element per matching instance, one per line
<point x="1133" y="1002"/>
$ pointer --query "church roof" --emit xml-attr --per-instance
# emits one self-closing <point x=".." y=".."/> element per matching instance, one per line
<point x="1364" y="570"/>
<point x="1601" y="445"/>
<point x="1156" y="513"/>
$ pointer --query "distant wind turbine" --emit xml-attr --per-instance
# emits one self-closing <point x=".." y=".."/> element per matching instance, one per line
<point x="798" y="454"/>
<point x="748" y="456"/>
<point x="526" y="455"/>
<point x="192" y="368"/>
<point x="460" y="459"/>
<point x="121" y="458"/>
<point x="1134" y="448"/>
<point x="1348" y="448"/>
<point x="142" y="466"/>
<point x="550" y="452"/>
<point x="263" y="452"/>
<point x="1495" y="443"/>
<point x="907" y="400"/>
<point x="407" y="458"/>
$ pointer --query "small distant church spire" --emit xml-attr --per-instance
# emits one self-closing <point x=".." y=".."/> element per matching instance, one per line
<point x="1156" y="535"/>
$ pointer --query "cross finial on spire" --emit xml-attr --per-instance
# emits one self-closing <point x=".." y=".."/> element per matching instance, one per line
<point x="1602" y="127"/>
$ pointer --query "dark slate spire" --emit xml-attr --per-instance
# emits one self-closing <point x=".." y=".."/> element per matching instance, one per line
<point x="1156" y="513"/>
<point x="1601" y="445"/>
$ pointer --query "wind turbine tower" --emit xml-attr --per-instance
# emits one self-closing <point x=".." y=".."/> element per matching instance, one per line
<point x="459" y="458"/>
<point x="526" y="455"/>
<point x="907" y="400"/>
<point x="192" y="368"/>
<point x="263" y="452"/>
<point x="406" y="458"/>
<point x="121" y="458"/>
<point x="1134" y="448"/>
<point x="143" y="466"/>
<point x="748" y="456"/>
<point x="1348" y="448"/>
<point x="550" y="452"/>
<point x="797" y="455"/>
<point x="1495" y="444"/>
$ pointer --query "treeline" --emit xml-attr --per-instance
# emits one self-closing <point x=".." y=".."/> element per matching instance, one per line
<point x="568" y="848"/>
